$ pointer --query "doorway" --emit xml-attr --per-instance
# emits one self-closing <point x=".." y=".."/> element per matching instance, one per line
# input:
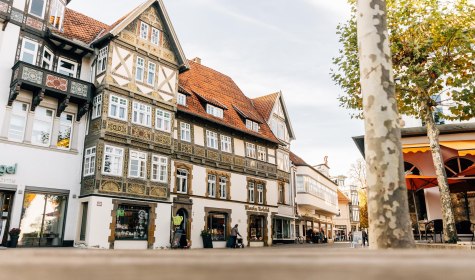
<point x="6" y="203"/>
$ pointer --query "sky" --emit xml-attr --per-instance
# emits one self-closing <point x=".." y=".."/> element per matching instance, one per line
<point x="267" y="46"/>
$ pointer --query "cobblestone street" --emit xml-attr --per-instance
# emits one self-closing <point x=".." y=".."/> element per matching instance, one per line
<point x="301" y="262"/>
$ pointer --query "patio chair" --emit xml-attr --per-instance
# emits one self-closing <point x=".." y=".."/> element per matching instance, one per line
<point x="435" y="227"/>
<point x="465" y="229"/>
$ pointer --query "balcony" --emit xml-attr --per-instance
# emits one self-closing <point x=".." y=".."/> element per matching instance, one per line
<point x="42" y="82"/>
<point x="315" y="203"/>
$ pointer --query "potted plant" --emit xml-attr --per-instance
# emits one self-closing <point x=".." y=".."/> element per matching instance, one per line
<point x="206" y="236"/>
<point x="14" y="235"/>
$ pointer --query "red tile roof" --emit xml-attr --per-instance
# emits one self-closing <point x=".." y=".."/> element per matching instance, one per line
<point x="81" y="27"/>
<point x="213" y="85"/>
<point x="265" y="104"/>
<point x="297" y="161"/>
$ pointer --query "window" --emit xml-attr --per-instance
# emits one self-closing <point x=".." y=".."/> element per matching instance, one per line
<point x="155" y="36"/>
<point x="29" y="51"/>
<point x="226" y="144"/>
<point x="185" y="132"/>
<point x="137" y="164"/>
<point x="250" y="192"/>
<point x="256" y="228"/>
<point x="217" y="223"/>
<point x="16" y="132"/>
<point x="118" y="108"/>
<point x="261" y="153"/>
<point x="250" y="150"/>
<point x="113" y="161"/>
<point x="143" y="30"/>
<point x="215" y="111"/>
<point x="65" y="131"/>
<point x="182" y="181"/>
<point x="159" y="169"/>
<point x="42" y="126"/>
<point x="283" y="162"/>
<point x="139" y="69"/>
<point x="222" y="187"/>
<point x="212" y="139"/>
<point x="37" y="8"/>
<point x="211" y="185"/>
<point x="281" y="194"/>
<point x="102" y="60"/>
<point x="181" y="99"/>
<point x="89" y="161"/>
<point x="132" y="222"/>
<point x="97" y="106"/>
<point x="251" y="125"/>
<point x="56" y="14"/>
<point x="260" y="193"/>
<point x="48" y="56"/>
<point x="151" y="73"/>
<point x="141" y="114"/>
<point x="67" y="67"/>
<point x="163" y="120"/>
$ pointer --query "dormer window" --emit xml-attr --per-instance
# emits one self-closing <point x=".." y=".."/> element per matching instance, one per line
<point x="181" y="99"/>
<point x="56" y="14"/>
<point x="37" y="8"/>
<point x="215" y="111"/>
<point x="251" y="125"/>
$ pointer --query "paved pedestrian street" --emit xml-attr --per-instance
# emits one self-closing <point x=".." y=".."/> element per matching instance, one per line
<point x="278" y="262"/>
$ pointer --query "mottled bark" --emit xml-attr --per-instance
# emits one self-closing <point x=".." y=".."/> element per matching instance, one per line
<point x="388" y="211"/>
<point x="450" y="232"/>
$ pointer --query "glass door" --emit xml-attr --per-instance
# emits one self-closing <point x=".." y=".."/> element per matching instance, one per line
<point x="42" y="221"/>
<point x="6" y="199"/>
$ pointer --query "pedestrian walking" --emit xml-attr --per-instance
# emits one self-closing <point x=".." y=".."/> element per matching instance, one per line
<point x="365" y="237"/>
<point x="232" y="239"/>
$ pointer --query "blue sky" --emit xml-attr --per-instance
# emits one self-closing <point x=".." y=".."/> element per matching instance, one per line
<point x="267" y="46"/>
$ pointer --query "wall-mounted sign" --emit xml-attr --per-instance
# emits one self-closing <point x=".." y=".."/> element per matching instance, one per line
<point x="7" y="169"/>
<point x="257" y="208"/>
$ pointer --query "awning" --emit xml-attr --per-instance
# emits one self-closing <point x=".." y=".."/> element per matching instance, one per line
<point x="285" y="216"/>
<point x="415" y="148"/>
<point x="463" y="147"/>
<point x="470" y="171"/>
<point x="418" y="182"/>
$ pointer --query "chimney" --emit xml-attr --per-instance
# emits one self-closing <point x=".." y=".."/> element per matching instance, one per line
<point x="196" y="60"/>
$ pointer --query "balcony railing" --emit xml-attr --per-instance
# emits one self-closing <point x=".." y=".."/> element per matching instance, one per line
<point x="45" y="82"/>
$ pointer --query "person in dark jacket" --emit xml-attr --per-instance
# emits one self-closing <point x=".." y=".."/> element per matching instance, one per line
<point x="232" y="239"/>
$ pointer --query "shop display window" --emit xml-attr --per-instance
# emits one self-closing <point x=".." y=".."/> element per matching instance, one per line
<point x="132" y="222"/>
<point x="282" y="229"/>
<point x="256" y="228"/>
<point x="217" y="223"/>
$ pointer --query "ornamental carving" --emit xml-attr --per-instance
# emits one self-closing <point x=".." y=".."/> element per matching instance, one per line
<point x="200" y="151"/>
<point x="117" y="127"/>
<point x="34" y="23"/>
<point x="158" y="191"/>
<point x="32" y="75"/>
<point x="56" y="82"/>
<point x="16" y="16"/>
<point x="110" y="186"/>
<point x="3" y="7"/>
<point x="239" y="161"/>
<point x="88" y="186"/>
<point x="186" y="148"/>
<point x="136" y="189"/>
<point x="95" y="125"/>
<point x="227" y="159"/>
<point x="163" y="139"/>
<point x="141" y="133"/>
<point x="213" y="155"/>
<point x="15" y="74"/>
<point x="79" y="89"/>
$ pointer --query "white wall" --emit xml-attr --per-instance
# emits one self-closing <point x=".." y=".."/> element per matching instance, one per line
<point x="199" y="135"/>
<point x="433" y="206"/>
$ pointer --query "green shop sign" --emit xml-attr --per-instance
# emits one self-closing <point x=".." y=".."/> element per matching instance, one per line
<point x="5" y="169"/>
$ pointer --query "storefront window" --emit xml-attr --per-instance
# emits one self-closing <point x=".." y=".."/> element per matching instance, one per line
<point x="217" y="225"/>
<point x="132" y="222"/>
<point x="281" y="229"/>
<point x="256" y="228"/>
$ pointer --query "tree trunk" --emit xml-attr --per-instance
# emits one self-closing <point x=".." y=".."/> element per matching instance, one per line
<point x="388" y="210"/>
<point x="450" y="232"/>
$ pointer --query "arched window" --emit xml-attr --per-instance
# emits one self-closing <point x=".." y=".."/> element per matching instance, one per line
<point x="411" y="169"/>
<point x="456" y="165"/>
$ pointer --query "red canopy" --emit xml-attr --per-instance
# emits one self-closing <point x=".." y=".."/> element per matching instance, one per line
<point x="470" y="171"/>
<point x="417" y="182"/>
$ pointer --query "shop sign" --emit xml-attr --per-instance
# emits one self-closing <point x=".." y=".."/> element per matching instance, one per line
<point x="257" y="208"/>
<point x="120" y="212"/>
<point x="7" y="170"/>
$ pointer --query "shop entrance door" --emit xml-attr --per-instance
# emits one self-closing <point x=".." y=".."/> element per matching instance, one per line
<point x="42" y="220"/>
<point x="6" y="199"/>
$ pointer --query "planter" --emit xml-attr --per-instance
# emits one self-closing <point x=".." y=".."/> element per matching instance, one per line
<point x="13" y="241"/>
<point x="207" y="242"/>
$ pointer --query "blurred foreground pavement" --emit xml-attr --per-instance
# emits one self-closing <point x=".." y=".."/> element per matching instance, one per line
<point x="290" y="262"/>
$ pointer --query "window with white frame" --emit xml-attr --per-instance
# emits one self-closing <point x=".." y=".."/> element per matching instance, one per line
<point x="113" y="161"/>
<point x="181" y="99"/>
<point x="226" y="144"/>
<point x="137" y="164"/>
<point x="163" y="120"/>
<point x="182" y="180"/>
<point x="139" y="69"/>
<point x="159" y="169"/>
<point x="67" y="67"/>
<point x="37" y="8"/>
<point x="222" y="187"/>
<point x="141" y="114"/>
<point x="260" y="193"/>
<point x="281" y="193"/>
<point x="118" y="107"/>
<point x="56" y="13"/>
<point x="286" y="163"/>
<point x="261" y="153"/>
<point x="155" y="36"/>
<point x="185" y="132"/>
<point x="47" y="60"/>
<point x="250" y="150"/>
<point x="151" y="73"/>
<point x="102" y="60"/>
<point x="19" y="115"/>
<point x="96" y="106"/>
<point x="215" y="111"/>
<point x="251" y="125"/>
<point x="211" y="139"/>
<point x="280" y="160"/>
<point x="211" y="185"/>
<point x="144" y="30"/>
<point x="89" y="161"/>
<point x="250" y="192"/>
<point x="42" y="126"/>
<point x="29" y="51"/>
<point x="65" y="131"/>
